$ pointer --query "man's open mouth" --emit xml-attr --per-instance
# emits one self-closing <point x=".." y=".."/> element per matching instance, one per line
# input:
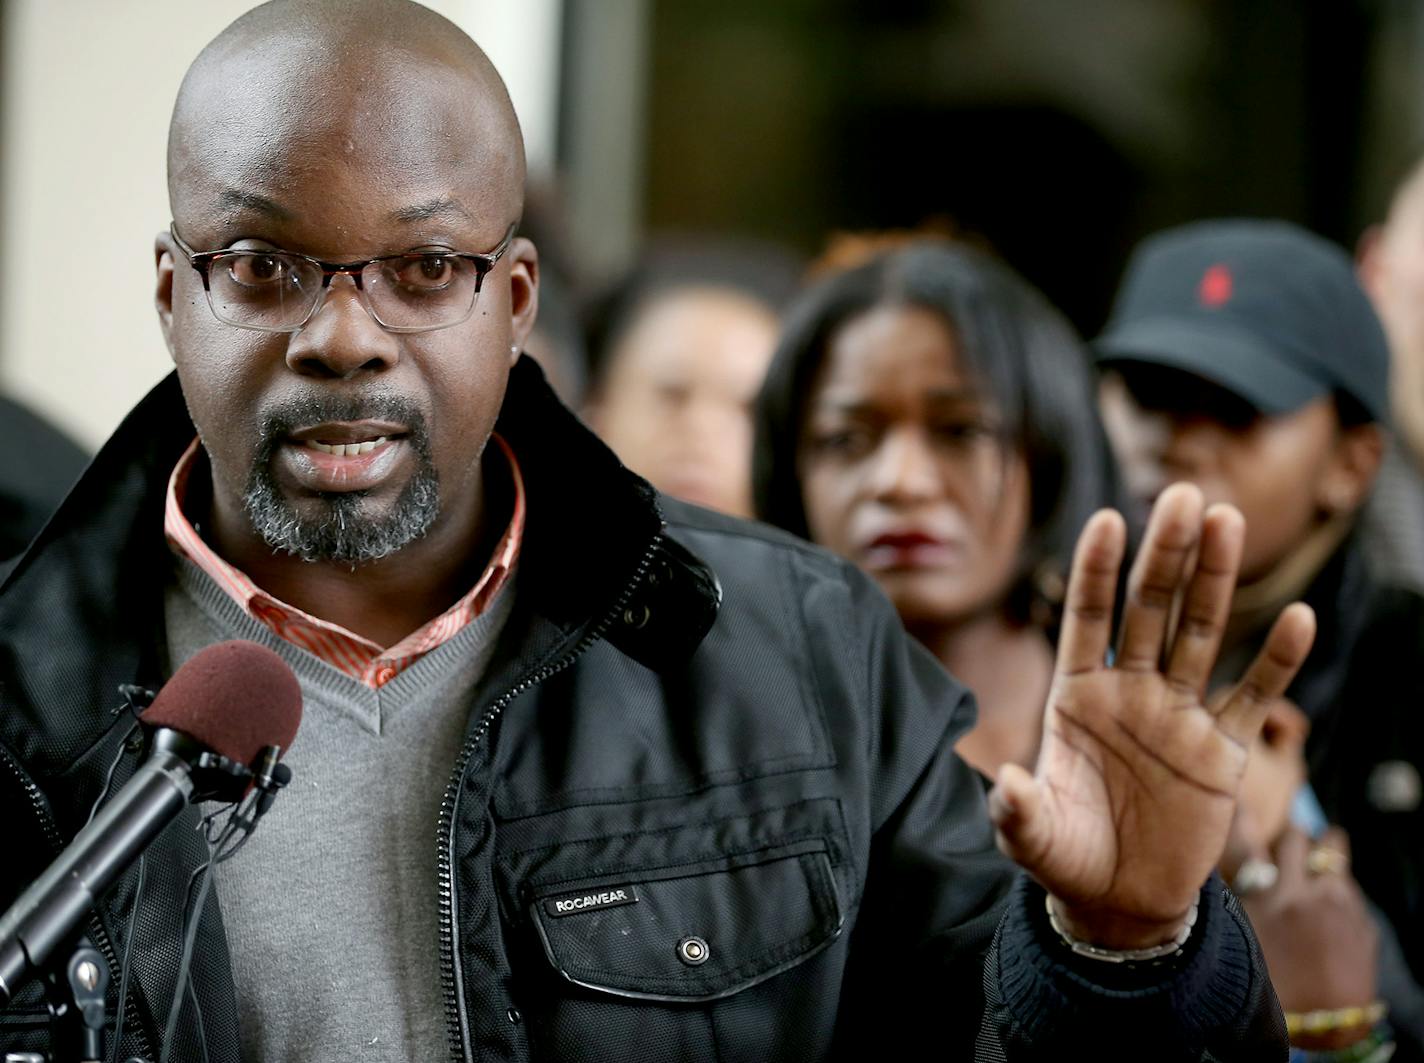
<point x="346" y="450"/>
<point x="348" y="439"/>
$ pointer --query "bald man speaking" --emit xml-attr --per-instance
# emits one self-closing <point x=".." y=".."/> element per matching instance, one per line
<point x="584" y="773"/>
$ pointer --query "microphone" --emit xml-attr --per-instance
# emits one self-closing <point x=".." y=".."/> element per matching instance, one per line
<point x="221" y="723"/>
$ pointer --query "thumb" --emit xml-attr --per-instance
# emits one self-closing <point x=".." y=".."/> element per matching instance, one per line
<point x="1019" y="815"/>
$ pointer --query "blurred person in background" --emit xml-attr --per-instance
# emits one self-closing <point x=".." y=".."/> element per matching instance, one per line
<point x="1244" y="357"/>
<point x="931" y="418"/>
<point x="40" y="465"/>
<point x="679" y="349"/>
<point x="1324" y="941"/>
<point x="1391" y="267"/>
<point x="556" y="341"/>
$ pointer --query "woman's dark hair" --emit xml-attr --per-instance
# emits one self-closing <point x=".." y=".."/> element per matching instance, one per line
<point x="1023" y="352"/>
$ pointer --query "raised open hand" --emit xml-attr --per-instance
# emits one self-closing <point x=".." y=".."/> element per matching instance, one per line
<point x="1129" y="806"/>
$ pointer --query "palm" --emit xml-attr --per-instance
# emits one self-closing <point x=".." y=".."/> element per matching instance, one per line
<point x="1130" y="804"/>
<point x="1128" y="759"/>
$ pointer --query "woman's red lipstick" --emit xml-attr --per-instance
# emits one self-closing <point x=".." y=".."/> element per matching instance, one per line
<point x="906" y="548"/>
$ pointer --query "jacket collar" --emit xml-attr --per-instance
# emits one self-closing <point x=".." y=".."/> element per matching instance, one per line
<point x="81" y="612"/>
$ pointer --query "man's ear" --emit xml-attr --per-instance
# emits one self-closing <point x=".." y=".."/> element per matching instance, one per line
<point x="523" y="292"/>
<point x="163" y="254"/>
<point x="1351" y="473"/>
<point x="1369" y="253"/>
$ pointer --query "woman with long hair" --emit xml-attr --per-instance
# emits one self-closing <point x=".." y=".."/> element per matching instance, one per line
<point x="928" y="416"/>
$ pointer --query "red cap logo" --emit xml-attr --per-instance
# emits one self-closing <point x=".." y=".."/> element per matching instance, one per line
<point x="1215" y="287"/>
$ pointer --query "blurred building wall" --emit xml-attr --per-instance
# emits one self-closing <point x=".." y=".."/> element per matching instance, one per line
<point x="86" y="88"/>
<point x="1058" y="133"/>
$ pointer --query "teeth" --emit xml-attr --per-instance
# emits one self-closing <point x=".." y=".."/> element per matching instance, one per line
<point x="346" y="450"/>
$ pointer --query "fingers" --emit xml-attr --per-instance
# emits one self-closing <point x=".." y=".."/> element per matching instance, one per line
<point x="1016" y="809"/>
<point x="1319" y="864"/>
<point x="1173" y="532"/>
<point x="1092" y="588"/>
<point x="1208" y="600"/>
<point x="1240" y="715"/>
<point x="1289" y="855"/>
<point x="1330" y="855"/>
<point x="1242" y="844"/>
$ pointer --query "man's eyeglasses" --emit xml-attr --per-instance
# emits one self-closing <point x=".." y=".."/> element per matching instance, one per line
<point x="279" y="291"/>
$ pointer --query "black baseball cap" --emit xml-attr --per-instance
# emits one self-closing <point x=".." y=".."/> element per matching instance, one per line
<point x="1264" y="309"/>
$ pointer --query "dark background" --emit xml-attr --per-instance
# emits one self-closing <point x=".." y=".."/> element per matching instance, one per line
<point x="1058" y="131"/>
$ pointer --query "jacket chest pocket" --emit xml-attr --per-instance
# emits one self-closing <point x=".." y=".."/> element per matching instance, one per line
<point x="692" y="933"/>
<point x="658" y="933"/>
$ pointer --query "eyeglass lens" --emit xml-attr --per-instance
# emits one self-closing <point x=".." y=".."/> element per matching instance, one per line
<point x="271" y="290"/>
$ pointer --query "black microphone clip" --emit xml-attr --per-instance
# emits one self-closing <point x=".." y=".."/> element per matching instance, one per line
<point x="215" y="777"/>
<point x="136" y="699"/>
<point x="269" y="775"/>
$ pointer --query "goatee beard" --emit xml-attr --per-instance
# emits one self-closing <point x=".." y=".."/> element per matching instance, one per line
<point x="345" y="531"/>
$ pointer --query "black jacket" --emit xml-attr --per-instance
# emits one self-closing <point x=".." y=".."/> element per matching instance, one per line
<point x="761" y="756"/>
<point x="38" y="466"/>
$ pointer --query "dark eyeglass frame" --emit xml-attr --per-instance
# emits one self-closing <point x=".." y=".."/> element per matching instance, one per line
<point x="483" y="262"/>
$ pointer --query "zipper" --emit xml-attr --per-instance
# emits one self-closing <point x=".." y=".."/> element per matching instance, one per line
<point x="97" y="934"/>
<point x="455" y="1019"/>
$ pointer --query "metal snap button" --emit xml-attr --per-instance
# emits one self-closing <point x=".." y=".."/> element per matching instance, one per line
<point x="693" y="951"/>
<point x="635" y="616"/>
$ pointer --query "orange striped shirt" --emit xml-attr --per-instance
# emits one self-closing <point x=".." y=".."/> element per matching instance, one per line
<point x="344" y="650"/>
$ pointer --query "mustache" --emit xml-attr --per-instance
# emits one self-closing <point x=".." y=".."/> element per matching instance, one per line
<point x="279" y="422"/>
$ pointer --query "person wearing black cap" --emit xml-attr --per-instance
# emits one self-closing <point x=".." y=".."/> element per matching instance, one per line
<point x="1244" y="356"/>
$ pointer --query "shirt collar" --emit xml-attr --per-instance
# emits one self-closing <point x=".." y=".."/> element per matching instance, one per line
<point x="341" y="648"/>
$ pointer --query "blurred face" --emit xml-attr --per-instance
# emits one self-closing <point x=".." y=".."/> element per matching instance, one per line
<point x="1392" y="270"/>
<point x="675" y="404"/>
<point x="342" y="441"/>
<point x="903" y="468"/>
<point x="1167" y="425"/>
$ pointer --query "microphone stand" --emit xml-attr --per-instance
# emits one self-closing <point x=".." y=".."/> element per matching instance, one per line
<point x="75" y="990"/>
<point x="75" y="995"/>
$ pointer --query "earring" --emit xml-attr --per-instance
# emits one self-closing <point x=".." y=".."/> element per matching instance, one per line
<point x="514" y="348"/>
<point x="1049" y="590"/>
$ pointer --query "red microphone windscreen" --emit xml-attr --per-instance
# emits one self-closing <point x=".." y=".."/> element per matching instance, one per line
<point x="234" y="698"/>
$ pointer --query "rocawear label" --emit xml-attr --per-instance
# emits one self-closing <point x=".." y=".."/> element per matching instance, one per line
<point x="591" y="901"/>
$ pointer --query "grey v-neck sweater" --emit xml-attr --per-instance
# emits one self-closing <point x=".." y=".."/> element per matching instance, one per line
<point x="331" y="908"/>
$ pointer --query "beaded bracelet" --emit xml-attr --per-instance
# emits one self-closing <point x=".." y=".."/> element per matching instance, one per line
<point x="1096" y="952"/>
<point x="1327" y="1020"/>
<point x="1378" y="1047"/>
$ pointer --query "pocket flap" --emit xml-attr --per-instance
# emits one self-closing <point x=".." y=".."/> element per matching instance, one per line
<point x="695" y="932"/>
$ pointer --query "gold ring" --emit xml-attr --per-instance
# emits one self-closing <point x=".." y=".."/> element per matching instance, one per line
<point x="1323" y="860"/>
